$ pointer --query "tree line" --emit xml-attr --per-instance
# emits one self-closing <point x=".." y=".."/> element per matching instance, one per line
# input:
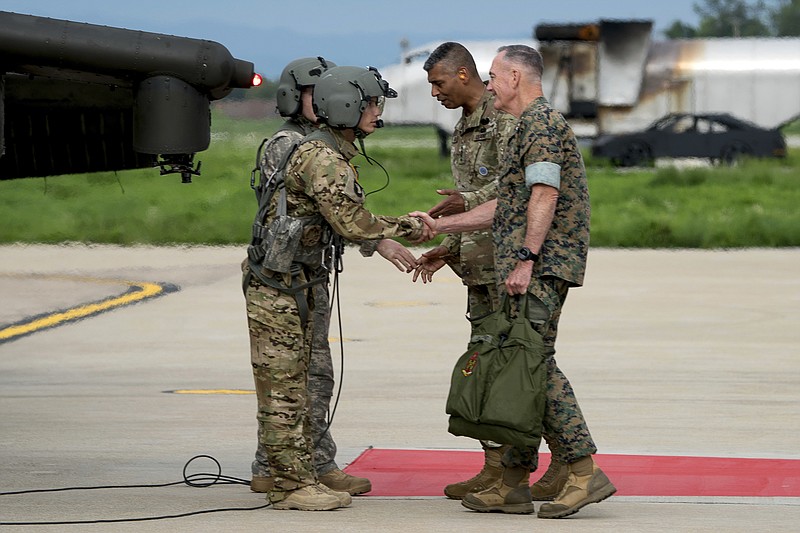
<point x="740" y="18"/>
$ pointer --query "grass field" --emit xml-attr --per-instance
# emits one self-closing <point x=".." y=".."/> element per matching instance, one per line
<point x="754" y="204"/>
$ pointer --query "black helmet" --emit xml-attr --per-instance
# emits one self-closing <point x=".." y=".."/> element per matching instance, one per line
<point x="296" y="75"/>
<point x="343" y="93"/>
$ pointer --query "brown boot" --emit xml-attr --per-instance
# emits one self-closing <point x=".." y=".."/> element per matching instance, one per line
<point x="586" y="484"/>
<point x="309" y="498"/>
<point x="344" y="497"/>
<point x="510" y="494"/>
<point x="341" y="482"/>
<point x="551" y="483"/>
<point x="261" y="483"/>
<point x="492" y="471"/>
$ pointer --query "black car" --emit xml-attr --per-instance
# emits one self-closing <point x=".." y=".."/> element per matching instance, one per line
<point x="717" y="136"/>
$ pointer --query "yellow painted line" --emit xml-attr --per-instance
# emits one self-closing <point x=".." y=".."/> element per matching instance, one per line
<point x="26" y="326"/>
<point x="211" y="391"/>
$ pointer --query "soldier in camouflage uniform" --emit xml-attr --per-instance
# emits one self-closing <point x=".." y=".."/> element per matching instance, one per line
<point x="478" y="143"/>
<point x="540" y="225"/>
<point x="294" y="101"/>
<point x="322" y="194"/>
<point x="477" y="146"/>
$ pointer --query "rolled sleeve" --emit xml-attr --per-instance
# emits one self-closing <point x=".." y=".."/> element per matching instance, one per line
<point x="543" y="172"/>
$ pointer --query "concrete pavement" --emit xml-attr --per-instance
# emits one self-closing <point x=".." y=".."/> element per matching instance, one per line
<point x="670" y="353"/>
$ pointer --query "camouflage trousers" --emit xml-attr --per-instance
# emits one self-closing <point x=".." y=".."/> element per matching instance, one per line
<point x="280" y="353"/>
<point x="320" y="390"/>
<point x="481" y="300"/>
<point x="564" y="427"/>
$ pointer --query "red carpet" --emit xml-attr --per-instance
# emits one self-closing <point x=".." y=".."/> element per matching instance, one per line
<point x="426" y="472"/>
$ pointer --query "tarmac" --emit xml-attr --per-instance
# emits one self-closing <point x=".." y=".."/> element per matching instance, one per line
<point x="678" y="353"/>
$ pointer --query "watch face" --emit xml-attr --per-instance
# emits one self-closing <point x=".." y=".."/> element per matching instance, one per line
<point x="525" y="254"/>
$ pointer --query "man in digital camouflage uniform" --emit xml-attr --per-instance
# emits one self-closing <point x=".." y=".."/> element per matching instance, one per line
<point x="478" y="142"/>
<point x="540" y="227"/>
<point x="294" y="101"/>
<point x="323" y="198"/>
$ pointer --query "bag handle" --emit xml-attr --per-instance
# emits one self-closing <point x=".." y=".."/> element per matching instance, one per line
<point x="518" y="302"/>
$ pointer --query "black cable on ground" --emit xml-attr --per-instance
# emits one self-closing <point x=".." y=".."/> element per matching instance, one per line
<point x="199" y="480"/>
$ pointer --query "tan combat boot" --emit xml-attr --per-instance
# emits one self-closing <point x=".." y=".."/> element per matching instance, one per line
<point x="551" y="483"/>
<point x="487" y="477"/>
<point x="344" y="497"/>
<point x="586" y="484"/>
<point x="510" y="494"/>
<point x="342" y="482"/>
<point x="261" y="483"/>
<point x="309" y="498"/>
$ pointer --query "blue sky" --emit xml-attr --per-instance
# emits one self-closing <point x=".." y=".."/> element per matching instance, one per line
<point x="271" y="33"/>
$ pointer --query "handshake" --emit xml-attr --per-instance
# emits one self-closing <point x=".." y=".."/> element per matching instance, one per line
<point x="429" y="227"/>
<point x="428" y="263"/>
<point x="452" y="205"/>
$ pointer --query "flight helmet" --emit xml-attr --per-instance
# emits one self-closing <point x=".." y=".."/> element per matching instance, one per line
<point x="342" y="94"/>
<point x="296" y="75"/>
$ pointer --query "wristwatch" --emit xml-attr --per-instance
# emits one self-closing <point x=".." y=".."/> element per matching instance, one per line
<point x="525" y="254"/>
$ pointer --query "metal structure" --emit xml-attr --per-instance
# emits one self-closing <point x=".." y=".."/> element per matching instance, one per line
<point x="612" y="77"/>
<point x="78" y="97"/>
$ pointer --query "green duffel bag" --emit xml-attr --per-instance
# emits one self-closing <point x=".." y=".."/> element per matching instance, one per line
<point x="497" y="390"/>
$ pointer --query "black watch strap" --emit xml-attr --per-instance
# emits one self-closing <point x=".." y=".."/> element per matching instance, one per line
<point x="525" y="254"/>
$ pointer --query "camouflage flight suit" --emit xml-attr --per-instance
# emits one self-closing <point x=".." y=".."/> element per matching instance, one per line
<point x="542" y="135"/>
<point x="320" y="369"/>
<point x="477" y="150"/>
<point x="319" y="181"/>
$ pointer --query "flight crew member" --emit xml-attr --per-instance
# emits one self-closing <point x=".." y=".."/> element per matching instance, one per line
<point x="321" y="203"/>
<point x="540" y="228"/>
<point x="294" y="101"/>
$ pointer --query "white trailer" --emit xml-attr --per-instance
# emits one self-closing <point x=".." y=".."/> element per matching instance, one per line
<point x="612" y="77"/>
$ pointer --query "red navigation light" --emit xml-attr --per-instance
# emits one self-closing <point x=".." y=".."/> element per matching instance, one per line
<point x="257" y="80"/>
